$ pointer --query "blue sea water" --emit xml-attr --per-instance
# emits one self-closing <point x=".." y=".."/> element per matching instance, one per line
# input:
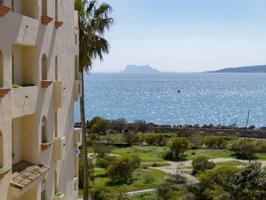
<point x="204" y="98"/>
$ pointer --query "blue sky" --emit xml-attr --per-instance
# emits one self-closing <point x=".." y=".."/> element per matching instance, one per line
<point x="186" y="35"/>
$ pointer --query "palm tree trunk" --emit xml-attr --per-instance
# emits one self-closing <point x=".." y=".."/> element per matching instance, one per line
<point x="84" y="141"/>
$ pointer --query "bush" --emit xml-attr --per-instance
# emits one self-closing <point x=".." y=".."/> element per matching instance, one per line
<point x="245" y="149"/>
<point x="104" y="162"/>
<point x="101" y="193"/>
<point x="202" y="163"/>
<point x="217" y="142"/>
<point x="101" y="150"/>
<point x="121" y="168"/>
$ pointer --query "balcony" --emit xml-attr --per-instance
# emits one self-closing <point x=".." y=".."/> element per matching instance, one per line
<point x="24" y="100"/>
<point x="75" y="186"/>
<point x="3" y="172"/>
<point x="76" y="166"/>
<point x="76" y="19"/>
<point x="59" y="148"/>
<point x="24" y="176"/>
<point x="58" y="196"/>
<point x="57" y="94"/>
<point x="77" y="89"/>
<point x="77" y="138"/>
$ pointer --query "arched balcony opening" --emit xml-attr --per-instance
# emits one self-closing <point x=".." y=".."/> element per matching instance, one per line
<point x="44" y="67"/>
<point x="44" y="130"/>
<point x="56" y="68"/>
<point x="77" y="73"/>
<point x="1" y="70"/>
<point x="56" y="10"/>
<point x="44" y="8"/>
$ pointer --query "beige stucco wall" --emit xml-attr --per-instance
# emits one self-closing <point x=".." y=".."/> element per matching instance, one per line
<point x="22" y="109"/>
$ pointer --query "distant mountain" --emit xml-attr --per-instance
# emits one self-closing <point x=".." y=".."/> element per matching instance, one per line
<point x="246" y="69"/>
<point x="141" y="69"/>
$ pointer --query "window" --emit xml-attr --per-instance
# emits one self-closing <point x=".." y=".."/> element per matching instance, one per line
<point x="44" y="130"/>
<point x="44" y="8"/>
<point x="76" y="67"/>
<point x="56" y="68"/>
<point x="44" y="67"/>
<point x="1" y="69"/>
<point x="56" y="10"/>
<point x="1" y="150"/>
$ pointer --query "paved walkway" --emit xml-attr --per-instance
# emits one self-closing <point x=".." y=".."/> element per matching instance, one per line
<point x="185" y="167"/>
<point x="140" y="191"/>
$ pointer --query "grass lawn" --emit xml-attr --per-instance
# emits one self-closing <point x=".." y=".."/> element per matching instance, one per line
<point x="145" y="153"/>
<point x="261" y="156"/>
<point x="210" y="153"/>
<point x="142" y="179"/>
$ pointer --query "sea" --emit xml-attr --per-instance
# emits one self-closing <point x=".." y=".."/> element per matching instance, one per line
<point x="177" y="98"/>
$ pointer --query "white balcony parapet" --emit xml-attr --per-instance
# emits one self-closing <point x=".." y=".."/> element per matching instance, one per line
<point x="77" y="89"/>
<point x="77" y="138"/>
<point x="59" y="148"/>
<point x="24" y="101"/>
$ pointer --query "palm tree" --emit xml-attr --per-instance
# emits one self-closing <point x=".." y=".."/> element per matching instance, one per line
<point x="94" y="20"/>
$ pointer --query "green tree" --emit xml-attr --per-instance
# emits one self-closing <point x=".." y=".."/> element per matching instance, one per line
<point x="99" y="126"/>
<point x="201" y="164"/>
<point x="94" y="20"/>
<point x="122" y="168"/>
<point x="178" y="146"/>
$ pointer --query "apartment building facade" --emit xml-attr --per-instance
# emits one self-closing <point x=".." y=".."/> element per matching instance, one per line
<point x="39" y="83"/>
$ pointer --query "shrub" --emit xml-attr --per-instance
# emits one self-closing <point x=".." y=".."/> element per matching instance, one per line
<point x="121" y="168"/>
<point x="104" y="162"/>
<point x="101" y="150"/>
<point x="245" y="149"/>
<point x="217" y="142"/>
<point x="202" y="163"/>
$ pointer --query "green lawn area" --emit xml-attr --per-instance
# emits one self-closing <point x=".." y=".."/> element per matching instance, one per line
<point x="261" y="156"/>
<point x="210" y="153"/>
<point x="145" y="153"/>
<point x="142" y="179"/>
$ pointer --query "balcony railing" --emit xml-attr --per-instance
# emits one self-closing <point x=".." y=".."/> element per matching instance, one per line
<point x="77" y="89"/>
<point x="24" y="101"/>
<point x="59" y="148"/>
